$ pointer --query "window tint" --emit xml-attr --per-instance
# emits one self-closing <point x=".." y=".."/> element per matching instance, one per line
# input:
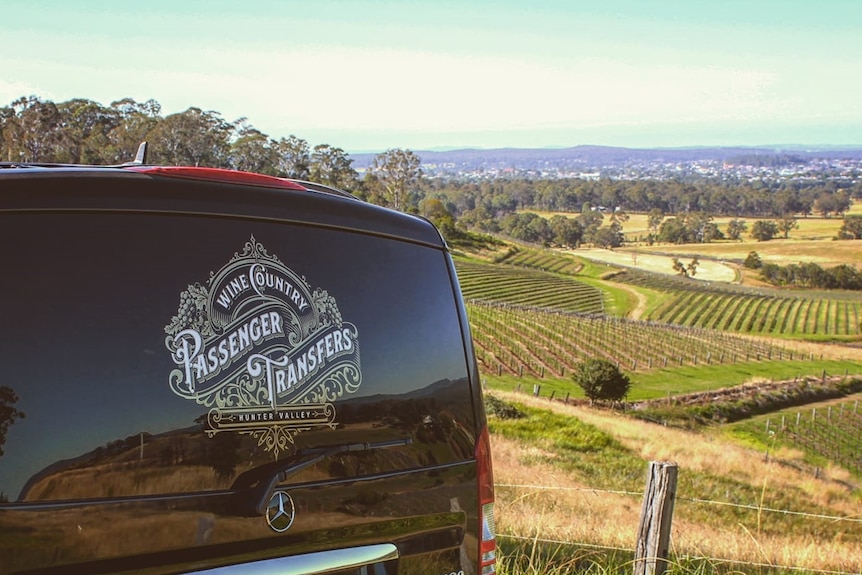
<point x="99" y="308"/>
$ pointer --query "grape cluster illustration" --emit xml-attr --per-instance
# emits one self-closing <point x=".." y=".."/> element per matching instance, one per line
<point x="326" y="307"/>
<point x="192" y="313"/>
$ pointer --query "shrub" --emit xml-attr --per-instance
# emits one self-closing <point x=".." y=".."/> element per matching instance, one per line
<point x="753" y="261"/>
<point x="502" y="409"/>
<point x="602" y="380"/>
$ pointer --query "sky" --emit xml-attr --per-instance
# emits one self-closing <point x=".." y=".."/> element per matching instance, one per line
<point x="369" y="75"/>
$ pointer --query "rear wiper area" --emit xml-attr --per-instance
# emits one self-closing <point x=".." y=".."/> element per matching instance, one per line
<point x="253" y="489"/>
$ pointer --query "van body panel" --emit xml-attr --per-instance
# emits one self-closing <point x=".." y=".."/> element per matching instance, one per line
<point x="210" y="375"/>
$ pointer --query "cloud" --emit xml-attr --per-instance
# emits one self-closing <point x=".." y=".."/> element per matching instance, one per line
<point x="327" y="88"/>
<point x="11" y="91"/>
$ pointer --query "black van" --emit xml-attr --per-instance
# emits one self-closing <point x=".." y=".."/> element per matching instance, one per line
<point x="208" y="371"/>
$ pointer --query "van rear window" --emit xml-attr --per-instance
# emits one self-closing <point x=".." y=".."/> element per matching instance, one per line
<point x="124" y="329"/>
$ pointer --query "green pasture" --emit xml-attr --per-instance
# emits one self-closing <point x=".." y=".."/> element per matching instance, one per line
<point x="676" y="380"/>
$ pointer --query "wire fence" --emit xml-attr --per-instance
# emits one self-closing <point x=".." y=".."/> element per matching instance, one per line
<point x="682" y="556"/>
<point x="835" y="518"/>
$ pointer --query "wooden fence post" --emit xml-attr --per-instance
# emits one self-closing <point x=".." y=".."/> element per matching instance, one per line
<point x="653" y="543"/>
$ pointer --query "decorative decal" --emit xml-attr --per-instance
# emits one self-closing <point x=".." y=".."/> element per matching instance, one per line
<point x="264" y="352"/>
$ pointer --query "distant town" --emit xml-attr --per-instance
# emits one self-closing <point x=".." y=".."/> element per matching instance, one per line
<point x="733" y="164"/>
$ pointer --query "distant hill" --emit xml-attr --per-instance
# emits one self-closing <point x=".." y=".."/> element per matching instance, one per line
<point x="586" y="158"/>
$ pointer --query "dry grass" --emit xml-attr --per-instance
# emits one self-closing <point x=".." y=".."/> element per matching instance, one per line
<point x="813" y="227"/>
<point x="707" y="270"/>
<point x="780" y="251"/>
<point x="572" y="512"/>
<point x="811" y="242"/>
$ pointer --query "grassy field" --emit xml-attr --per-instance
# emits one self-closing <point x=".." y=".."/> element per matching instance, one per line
<point x="575" y="474"/>
<point x="811" y="241"/>
<point x="810" y="228"/>
<point x="779" y="251"/>
<point x="569" y="493"/>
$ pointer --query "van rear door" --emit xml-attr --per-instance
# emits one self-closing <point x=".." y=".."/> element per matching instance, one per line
<point x="200" y="375"/>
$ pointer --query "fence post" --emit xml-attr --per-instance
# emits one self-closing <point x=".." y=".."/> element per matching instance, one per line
<point x="653" y="543"/>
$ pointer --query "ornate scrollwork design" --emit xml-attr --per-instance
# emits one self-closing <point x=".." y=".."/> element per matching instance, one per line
<point x="276" y="439"/>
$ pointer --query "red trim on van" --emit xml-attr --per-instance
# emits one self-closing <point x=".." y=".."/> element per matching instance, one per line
<point x="218" y="175"/>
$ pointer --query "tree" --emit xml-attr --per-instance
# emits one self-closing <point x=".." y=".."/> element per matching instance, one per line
<point x="397" y="171"/>
<point x="331" y="166"/>
<point x="293" y="158"/>
<point x="136" y="122"/>
<point x="527" y="227"/>
<point x="700" y="227"/>
<point x="735" y="229"/>
<point x="654" y="219"/>
<point x="192" y="138"/>
<point x="691" y="268"/>
<point x="674" y="231"/>
<point x="764" y="230"/>
<point x="32" y="131"/>
<point x="679" y="267"/>
<point x="851" y="229"/>
<point x="824" y="204"/>
<point x="753" y="261"/>
<point x="601" y="380"/>
<point x="253" y="151"/>
<point x="435" y="210"/>
<point x="85" y="125"/>
<point x="567" y="232"/>
<point x="590" y="222"/>
<point x="8" y="412"/>
<point x="828" y="203"/>
<point x="785" y="224"/>
<point x="609" y="237"/>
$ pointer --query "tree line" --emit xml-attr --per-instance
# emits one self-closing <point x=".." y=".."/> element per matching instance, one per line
<point x="681" y="211"/>
<point x="806" y="274"/>
<point x="82" y="131"/>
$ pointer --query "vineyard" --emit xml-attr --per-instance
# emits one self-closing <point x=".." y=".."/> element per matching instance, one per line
<point x="758" y="311"/>
<point x="542" y="342"/>
<point x="544" y="260"/>
<point x="535" y="320"/>
<point x="527" y="286"/>
<point x="833" y="432"/>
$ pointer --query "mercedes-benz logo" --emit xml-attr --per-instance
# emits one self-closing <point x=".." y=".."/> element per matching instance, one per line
<point x="280" y="511"/>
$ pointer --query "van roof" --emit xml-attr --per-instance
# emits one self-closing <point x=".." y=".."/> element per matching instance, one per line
<point x="228" y="192"/>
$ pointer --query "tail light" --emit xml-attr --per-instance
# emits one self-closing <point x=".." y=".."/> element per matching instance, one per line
<point x="487" y="541"/>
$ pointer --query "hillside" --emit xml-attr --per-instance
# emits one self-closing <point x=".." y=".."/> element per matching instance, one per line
<point x="576" y="474"/>
<point x="711" y="362"/>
